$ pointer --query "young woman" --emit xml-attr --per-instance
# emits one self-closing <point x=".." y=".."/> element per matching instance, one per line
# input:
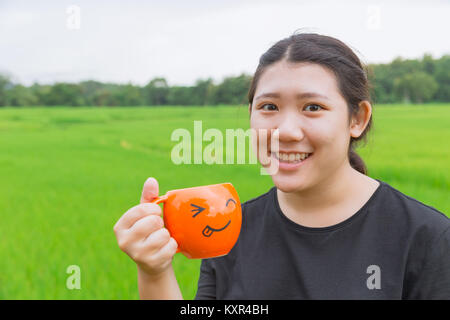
<point x="326" y="230"/>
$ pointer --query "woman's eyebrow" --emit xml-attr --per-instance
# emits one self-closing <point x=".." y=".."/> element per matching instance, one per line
<point x="299" y="96"/>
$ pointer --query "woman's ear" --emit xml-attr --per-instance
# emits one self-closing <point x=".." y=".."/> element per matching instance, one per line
<point x="249" y="108"/>
<point x="361" y="119"/>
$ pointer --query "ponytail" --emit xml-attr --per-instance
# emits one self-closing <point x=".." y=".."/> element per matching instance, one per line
<point x="357" y="162"/>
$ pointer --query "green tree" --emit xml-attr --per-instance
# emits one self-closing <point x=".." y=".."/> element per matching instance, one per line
<point x="41" y="92"/>
<point x="19" y="96"/>
<point x="203" y="92"/>
<point x="233" y="90"/>
<point x="428" y="64"/>
<point x="5" y="85"/>
<point x="102" y="97"/>
<point x="416" y="87"/>
<point x="156" y="92"/>
<point x="65" y="94"/>
<point x="382" y="83"/>
<point x="179" y="95"/>
<point x="442" y="76"/>
<point x="127" y="95"/>
<point x="89" y="90"/>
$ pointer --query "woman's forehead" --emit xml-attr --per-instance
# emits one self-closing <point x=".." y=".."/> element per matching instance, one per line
<point x="287" y="78"/>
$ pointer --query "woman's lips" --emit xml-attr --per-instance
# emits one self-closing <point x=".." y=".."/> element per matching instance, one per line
<point x="289" y="165"/>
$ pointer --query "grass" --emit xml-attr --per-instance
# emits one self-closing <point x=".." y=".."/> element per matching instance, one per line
<point x="68" y="174"/>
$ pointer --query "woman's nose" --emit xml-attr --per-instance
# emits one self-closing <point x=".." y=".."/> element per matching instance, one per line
<point x="290" y="129"/>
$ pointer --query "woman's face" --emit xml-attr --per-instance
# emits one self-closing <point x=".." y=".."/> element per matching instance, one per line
<point x="303" y="102"/>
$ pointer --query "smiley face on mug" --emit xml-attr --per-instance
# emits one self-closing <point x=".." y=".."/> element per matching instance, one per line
<point x="205" y="221"/>
<point x="208" y="230"/>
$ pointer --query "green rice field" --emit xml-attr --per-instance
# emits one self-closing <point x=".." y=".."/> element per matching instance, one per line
<point x="68" y="174"/>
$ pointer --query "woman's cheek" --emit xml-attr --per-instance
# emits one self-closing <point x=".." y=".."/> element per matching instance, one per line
<point x="263" y="128"/>
<point x="260" y="139"/>
<point x="259" y="122"/>
<point x="328" y="139"/>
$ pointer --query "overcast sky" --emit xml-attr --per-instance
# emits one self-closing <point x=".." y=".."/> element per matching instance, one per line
<point x="184" y="40"/>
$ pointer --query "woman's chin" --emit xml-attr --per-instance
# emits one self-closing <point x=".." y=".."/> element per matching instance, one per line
<point x="287" y="184"/>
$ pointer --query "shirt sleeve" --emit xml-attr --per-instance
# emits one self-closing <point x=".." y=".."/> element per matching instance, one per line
<point x="433" y="282"/>
<point x="206" y="282"/>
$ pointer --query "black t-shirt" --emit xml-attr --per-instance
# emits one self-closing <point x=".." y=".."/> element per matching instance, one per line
<point x="394" y="247"/>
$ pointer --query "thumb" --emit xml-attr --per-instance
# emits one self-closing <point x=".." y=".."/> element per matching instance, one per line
<point x="150" y="190"/>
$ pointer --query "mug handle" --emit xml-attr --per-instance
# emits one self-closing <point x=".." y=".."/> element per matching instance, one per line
<point x="158" y="200"/>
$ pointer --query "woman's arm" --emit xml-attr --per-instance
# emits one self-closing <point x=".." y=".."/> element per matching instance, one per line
<point x="161" y="287"/>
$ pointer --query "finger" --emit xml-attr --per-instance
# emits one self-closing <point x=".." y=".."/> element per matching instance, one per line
<point x="146" y="226"/>
<point x="135" y="213"/>
<point x="157" y="239"/>
<point x="167" y="251"/>
<point x="150" y="190"/>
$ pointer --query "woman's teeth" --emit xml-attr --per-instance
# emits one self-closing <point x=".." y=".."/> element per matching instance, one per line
<point x="291" y="157"/>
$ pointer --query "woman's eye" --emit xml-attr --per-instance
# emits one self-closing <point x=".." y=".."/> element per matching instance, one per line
<point x="268" y="107"/>
<point x="316" y="106"/>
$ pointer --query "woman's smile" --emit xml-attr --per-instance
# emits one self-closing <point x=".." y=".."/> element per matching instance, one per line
<point x="290" y="161"/>
<point x="291" y="157"/>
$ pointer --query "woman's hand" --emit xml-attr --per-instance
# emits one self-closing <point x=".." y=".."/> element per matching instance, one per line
<point x="141" y="234"/>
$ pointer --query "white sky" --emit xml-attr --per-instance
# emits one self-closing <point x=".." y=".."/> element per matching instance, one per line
<point x="184" y="40"/>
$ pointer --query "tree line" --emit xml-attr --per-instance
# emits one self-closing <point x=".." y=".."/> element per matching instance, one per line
<point x="400" y="81"/>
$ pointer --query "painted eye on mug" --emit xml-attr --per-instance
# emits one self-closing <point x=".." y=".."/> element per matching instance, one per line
<point x="228" y="201"/>
<point x="198" y="209"/>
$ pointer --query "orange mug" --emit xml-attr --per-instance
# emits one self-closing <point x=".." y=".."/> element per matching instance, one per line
<point x="205" y="221"/>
